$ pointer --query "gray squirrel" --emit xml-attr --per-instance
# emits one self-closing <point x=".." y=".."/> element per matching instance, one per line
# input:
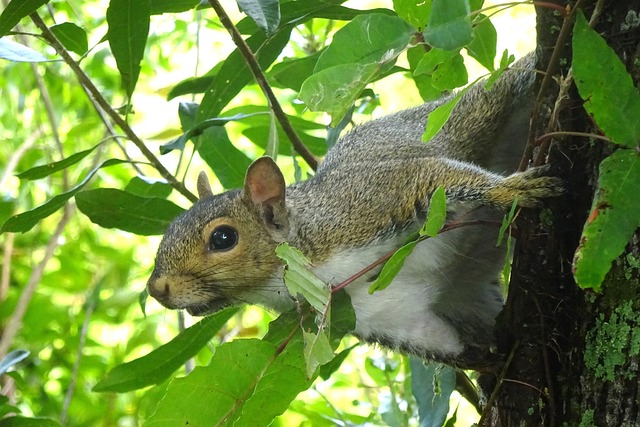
<point x="369" y="194"/>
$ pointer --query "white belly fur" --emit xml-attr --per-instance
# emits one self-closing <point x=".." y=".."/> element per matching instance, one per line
<point x="403" y="312"/>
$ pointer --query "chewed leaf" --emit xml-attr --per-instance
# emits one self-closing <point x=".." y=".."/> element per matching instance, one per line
<point x="613" y="220"/>
<point x="299" y="279"/>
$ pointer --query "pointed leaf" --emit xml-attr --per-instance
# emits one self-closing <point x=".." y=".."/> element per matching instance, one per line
<point x="14" y="357"/>
<point x="392" y="267"/>
<point x="26" y="220"/>
<point x="16" y="52"/>
<point x="437" y="213"/>
<point x="15" y="11"/>
<point x="161" y="363"/>
<point x="605" y="85"/>
<point x="483" y="45"/>
<point x="613" y="220"/>
<point x="432" y="385"/>
<point x="317" y="351"/>
<point x="265" y="13"/>
<point x="128" y="30"/>
<point x="113" y="208"/>
<point x="39" y="172"/>
<point x="72" y="37"/>
<point x="147" y="187"/>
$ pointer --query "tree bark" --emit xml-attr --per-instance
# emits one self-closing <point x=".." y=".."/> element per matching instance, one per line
<point x="575" y="354"/>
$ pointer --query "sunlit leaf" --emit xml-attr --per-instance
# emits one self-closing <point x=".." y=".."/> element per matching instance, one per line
<point x="172" y="6"/>
<point x="225" y="160"/>
<point x="392" y="267"/>
<point x="157" y="366"/>
<point x="367" y="39"/>
<point x="128" y="22"/>
<point x="17" y="52"/>
<point x="146" y="187"/>
<point x="483" y="45"/>
<point x="12" y="358"/>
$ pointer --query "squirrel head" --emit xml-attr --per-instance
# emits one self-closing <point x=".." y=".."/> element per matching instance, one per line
<point x="221" y="252"/>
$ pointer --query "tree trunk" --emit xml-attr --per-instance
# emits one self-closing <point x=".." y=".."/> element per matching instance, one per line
<point x="574" y="355"/>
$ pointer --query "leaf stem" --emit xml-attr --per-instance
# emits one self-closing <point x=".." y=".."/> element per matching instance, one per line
<point x="251" y="61"/>
<point x="106" y="107"/>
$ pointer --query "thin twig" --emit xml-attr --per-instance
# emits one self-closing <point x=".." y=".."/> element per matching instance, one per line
<point x="565" y="31"/>
<point x="106" y="107"/>
<point x="15" y="322"/>
<point x="90" y="307"/>
<point x="251" y="61"/>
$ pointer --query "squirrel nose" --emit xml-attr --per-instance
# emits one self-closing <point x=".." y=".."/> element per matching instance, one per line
<point x="158" y="288"/>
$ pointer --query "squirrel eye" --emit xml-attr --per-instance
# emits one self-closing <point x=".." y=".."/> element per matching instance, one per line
<point x="223" y="238"/>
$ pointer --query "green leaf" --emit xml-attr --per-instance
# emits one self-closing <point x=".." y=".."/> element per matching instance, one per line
<point x="16" y="52"/>
<point x="198" y="129"/>
<point x="483" y="46"/>
<point x="430" y="60"/>
<point x="39" y="172"/>
<point x="172" y="6"/>
<point x="330" y="367"/>
<point x="71" y="36"/>
<point x="161" y="363"/>
<point x="300" y="280"/>
<point x="225" y="160"/>
<point x="392" y="267"/>
<point x="450" y="74"/>
<point x="248" y="382"/>
<point x="15" y="11"/>
<point x="128" y="31"/>
<point x="505" y="61"/>
<point x="422" y="81"/>
<point x="317" y="351"/>
<point x="292" y="72"/>
<point x="191" y="85"/>
<point x="26" y="220"/>
<point x="113" y="208"/>
<point x="147" y="187"/>
<point x="449" y="24"/>
<point x="432" y="385"/>
<point x="437" y="213"/>
<point x="234" y="74"/>
<point x="438" y="117"/>
<point x="507" y="221"/>
<point x="13" y="358"/>
<point x="18" y="421"/>
<point x="414" y="12"/>
<point x="335" y="89"/>
<point x="613" y="220"/>
<point x="367" y="39"/>
<point x="265" y="13"/>
<point x="605" y="85"/>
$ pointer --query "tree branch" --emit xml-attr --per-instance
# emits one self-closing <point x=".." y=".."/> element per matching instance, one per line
<point x="250" y="59"/>
<point x="105" y="106"/>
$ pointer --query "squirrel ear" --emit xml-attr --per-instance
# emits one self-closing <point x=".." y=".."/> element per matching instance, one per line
<point x="264" y="187"/>
<point x="204" y="188"/>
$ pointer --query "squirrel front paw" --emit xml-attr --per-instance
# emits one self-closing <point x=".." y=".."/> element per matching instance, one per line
<point x="530" y="187"/>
